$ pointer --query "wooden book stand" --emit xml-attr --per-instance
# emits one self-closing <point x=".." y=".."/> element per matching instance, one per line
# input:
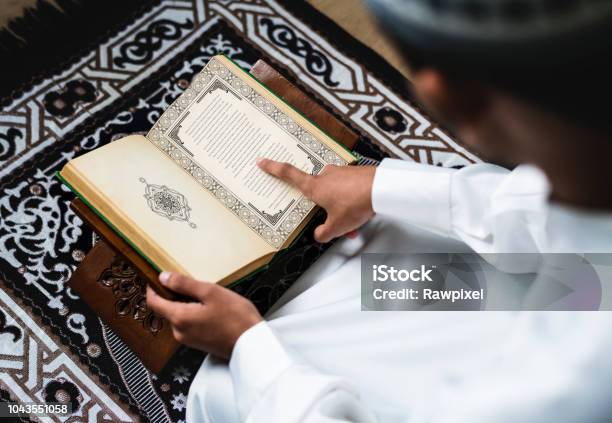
<point x="112" y="278"/>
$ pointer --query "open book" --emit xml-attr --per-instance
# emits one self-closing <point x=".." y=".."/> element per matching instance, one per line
<point x="189" y="196"/>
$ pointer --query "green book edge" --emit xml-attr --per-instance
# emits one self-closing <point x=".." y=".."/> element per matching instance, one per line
<point x="134" y="246"/>
<point x="144" y="256"/>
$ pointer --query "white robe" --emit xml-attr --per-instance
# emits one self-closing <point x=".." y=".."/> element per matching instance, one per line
<point x="318" y="358"/>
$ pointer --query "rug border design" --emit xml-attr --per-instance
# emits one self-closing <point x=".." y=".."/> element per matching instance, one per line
<point x="424" y="141"/>
<point x="66" y="347"/>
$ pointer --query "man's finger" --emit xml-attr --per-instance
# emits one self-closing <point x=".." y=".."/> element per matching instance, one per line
<point x="185" y="285"/>
<point x="159" y="305"/>
<point x="325" y="232"/>
<point x="177" y="313"/>
<point x="286" y="172"/>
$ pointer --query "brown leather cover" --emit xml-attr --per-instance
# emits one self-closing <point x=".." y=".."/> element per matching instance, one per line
<point x="113" y="276"/>
<point x="295" y="97"/>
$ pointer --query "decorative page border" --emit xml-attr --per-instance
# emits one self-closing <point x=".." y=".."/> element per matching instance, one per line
<point x="215" y="75"/>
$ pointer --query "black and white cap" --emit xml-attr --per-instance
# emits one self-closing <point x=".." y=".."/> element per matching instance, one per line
<point x="510" y="33"/>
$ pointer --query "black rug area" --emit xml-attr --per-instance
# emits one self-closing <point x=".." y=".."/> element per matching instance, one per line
<point x="49" y="35"/>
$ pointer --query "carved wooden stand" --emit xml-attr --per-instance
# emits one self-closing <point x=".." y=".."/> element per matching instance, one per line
<point x="112" y="278"/>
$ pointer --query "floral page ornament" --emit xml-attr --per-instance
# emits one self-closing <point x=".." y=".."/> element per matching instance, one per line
<point x="167" y="202"/>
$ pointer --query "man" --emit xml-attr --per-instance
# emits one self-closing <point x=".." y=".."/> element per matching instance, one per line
<point x="518" y="80"/>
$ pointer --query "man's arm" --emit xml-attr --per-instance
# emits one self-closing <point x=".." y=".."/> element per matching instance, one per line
<point x="488" y="207"/>
<point x="537" y="376"/>
<point x="270" y="385"/>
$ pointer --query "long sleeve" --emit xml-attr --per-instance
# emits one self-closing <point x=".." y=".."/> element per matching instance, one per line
<point x="488" y="207"/>
<point x="552" y="367"/>
<point x="270" y="386"/>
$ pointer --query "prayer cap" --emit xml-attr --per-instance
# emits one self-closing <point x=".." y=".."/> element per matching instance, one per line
<point x="508" y="34"/>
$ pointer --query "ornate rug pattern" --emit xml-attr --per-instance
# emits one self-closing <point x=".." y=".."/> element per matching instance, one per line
<point x="51" y="345"/>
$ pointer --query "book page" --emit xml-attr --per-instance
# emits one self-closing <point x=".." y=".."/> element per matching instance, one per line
<point x="219" y="127"/>
<point x="162" y="211"/>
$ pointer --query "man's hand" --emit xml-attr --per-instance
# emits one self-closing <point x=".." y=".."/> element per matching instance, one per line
<point x="213" y="323"/>
<point x="345" y="192"/>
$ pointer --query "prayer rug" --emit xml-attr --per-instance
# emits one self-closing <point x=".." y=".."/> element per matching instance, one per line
<point x="52" y="347"/>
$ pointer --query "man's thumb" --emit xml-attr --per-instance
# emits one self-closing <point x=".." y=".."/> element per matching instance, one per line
<point x="324" y="233"/>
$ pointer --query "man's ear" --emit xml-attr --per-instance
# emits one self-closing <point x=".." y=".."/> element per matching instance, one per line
<point x="457" y="104"/>
<point x="477" y="113"/>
